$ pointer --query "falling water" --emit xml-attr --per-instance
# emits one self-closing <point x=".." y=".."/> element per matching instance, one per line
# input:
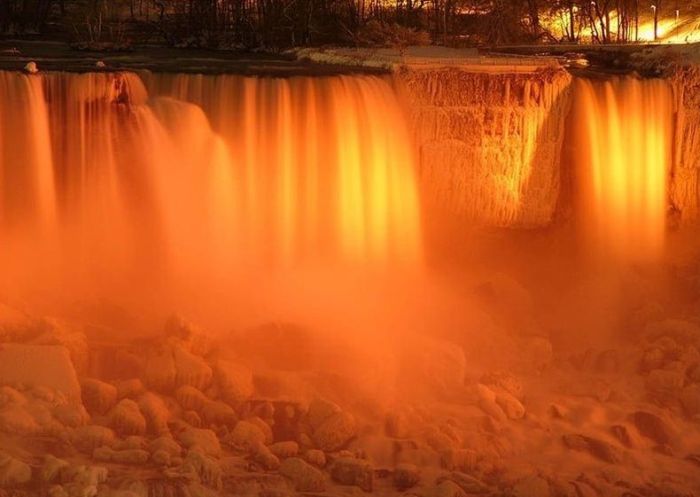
<point x="108" y="179"/>
<point x="623" y="131"/>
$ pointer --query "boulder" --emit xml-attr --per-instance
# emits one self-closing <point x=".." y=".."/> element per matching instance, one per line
<point x="126" y="418"/>
<point x="654" y="427"/>
<point x="335" y="432"/>
<point x="593" y="446"/>
<point x="351" y="471"/>
<point x="51" y="367"/>
<point x="303" y="476"/>
<point x="13" y="471"/>
<point x="406" y="475"/>
<point x="235" y="381"/>
<point x="191" y="369"/>
<point x="285" y="449"/>
<point x="98" y="396"/>
<point x="205" y="440"/>
<point x="320" y="410"/>
<point x="88" y="438"/>
<point x="245" y="436"/>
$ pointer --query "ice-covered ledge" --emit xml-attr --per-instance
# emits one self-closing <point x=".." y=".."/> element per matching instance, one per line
<point x="429" y="57"/>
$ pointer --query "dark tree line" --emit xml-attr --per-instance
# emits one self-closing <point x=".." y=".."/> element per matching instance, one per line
<point x="285" y="23"/>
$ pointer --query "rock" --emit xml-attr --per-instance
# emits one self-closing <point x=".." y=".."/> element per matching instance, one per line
<point x="459" y="459"/>
<point x="558" y="411"/>
<point x="57" y="332"/>
<point x="192" y="337"/>
<point x="192" y="419"/>
<point x="88" y="438"/>
<point x="160" y="373"/>
<point x="132" y="388"/>
<point x="653" y="427"/>
<point x="207" y="469"/>
<point x="597" y="448"/>
<point x="86" y="480"/>
<point x="102" y="454"/>
<point x="217" y="413"/>
<point x="98" y="396"/>
<point x="16" y="419"/>
<point x="303" y="476"/>
<point x="246" y="436"/>
<point x="351" y="471"/>
<point x="126" y="418"/>
<point x="9" y="395"/>
<point x="235" y="382"/>
<point x="487" y="403"/>
<point x="335" y="432"/>
<point x="690" y="400"/>
<point x="206" y="440"/>
<point x="315" y="457"/>
<point x="264" y="427"/>
<point x="466" y="483"/>
<point x="320" y="410"/>
<point x="161" y="458"/>
<point x="128" y="456"/>
<point x="190" y="398"/>
<point x="286" y="449"/>
<point x="448" y="488"/>
<point x="509" y="404"/>
<point x="71" y="415"/>
<point x="156" y="413"/>
<point x="406" y="476"/>
<point x="130" y="442"/>
<point x="52" y="468"/>
<point x="505" y="381"/>
<point x="190" y="369"/>
<point x="31" y="67"/>
<point x="56" y="371"/>
<point x="265" y="457"/>
<point x="442" y="437"/>
<point x="167" y="444"/>
<point x="625" y="435"/>
<point x="45" y="394"/>
<point x="13" y="471"/>
<point x="534" y="486"/>
<point x="100" y="64"/>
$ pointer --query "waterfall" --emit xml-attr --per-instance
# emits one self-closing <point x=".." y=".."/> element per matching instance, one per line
<point x="623" y="132"/>
<point x="109" y="177"/>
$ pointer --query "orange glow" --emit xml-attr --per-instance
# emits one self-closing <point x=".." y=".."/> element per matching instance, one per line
<point x="623" y="133"/>
<point x="202" y="177"/>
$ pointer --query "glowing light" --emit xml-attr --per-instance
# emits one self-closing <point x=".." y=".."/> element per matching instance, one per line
<point x="202" y="177"/>
<point x="622" y="164"/>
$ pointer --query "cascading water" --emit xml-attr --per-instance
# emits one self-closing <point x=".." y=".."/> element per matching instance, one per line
<point x="200" y="176"/>
<point x="623" y="131"/>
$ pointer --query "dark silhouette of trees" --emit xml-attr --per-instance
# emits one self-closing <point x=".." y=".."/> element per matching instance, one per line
<point x="287" y="23"/>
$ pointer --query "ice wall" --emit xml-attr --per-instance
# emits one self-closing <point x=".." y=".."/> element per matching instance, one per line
<point x="489" y="142"/>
